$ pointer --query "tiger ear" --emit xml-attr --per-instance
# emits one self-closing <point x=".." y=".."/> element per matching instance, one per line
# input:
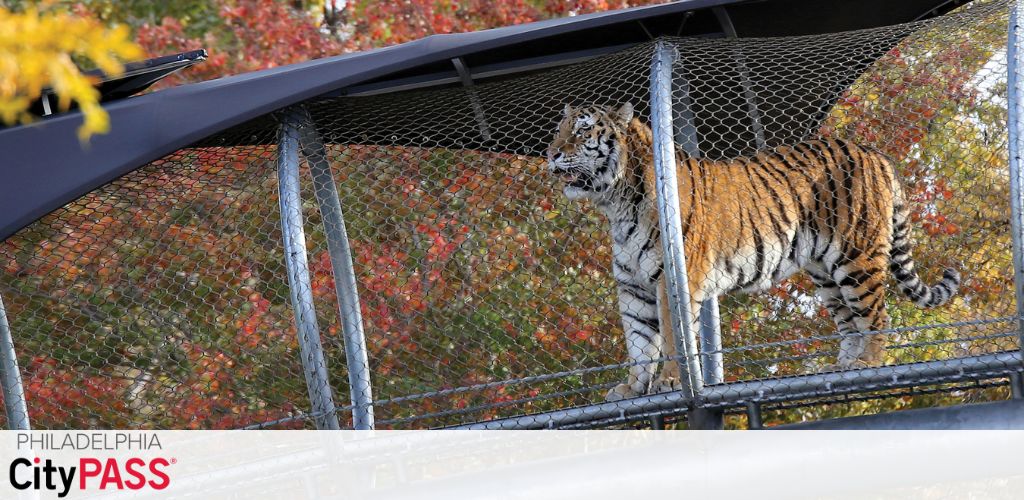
<point x="625" y="112"/>
<point x="567" y="111"/>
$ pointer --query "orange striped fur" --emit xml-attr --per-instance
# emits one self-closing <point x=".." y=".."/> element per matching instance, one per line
<point x="829" y="207"/>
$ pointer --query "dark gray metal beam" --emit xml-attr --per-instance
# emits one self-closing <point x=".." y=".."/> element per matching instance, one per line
<point x="508" y="68"/>
<point x="780" y="389"/>
<point x="1001" y="415"/>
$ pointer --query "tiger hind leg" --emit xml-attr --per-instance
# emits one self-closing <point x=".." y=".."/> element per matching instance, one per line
<point x="861" y="285"/>
<point x="831" y="298"/>
<point x="856" y="350"/>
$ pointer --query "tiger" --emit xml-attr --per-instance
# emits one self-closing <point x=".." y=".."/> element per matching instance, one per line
<point x="827" y="206"/>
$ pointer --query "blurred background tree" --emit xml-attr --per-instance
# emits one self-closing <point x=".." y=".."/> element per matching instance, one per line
<point x="247" y="35"/>
<point x="38" y="53"/>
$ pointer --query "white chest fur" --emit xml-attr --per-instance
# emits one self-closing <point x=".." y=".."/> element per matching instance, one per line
<point x="636" y="247"/>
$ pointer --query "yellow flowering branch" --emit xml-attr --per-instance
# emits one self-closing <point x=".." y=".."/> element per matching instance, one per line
<point x="36" y="51"/>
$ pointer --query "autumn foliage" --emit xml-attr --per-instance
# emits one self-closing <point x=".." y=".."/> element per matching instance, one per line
<point x="255" y="35"/>
<point x="162" y="300"/>
<point x="38" y="52"/>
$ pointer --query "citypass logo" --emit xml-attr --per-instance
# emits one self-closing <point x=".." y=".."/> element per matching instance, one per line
<point x="90" y="473"/>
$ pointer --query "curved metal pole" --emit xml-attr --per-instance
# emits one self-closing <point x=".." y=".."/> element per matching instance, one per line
<point x="299" y="285"/>
<point x="1015" y="126"/>
<point x="326" y="192"/>
<point x="668" y="215"/>
<point x="10" y="378"/>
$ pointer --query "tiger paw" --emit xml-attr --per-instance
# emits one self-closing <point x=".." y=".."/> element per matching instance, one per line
<point x="666" y="384"/>
<point x="620" y="392"/>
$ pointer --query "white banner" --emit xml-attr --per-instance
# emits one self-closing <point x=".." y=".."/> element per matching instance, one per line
<point x="513" y="464"/>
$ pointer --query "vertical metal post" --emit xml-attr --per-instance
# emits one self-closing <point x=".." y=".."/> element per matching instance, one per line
<point x="299" y="284"/>
<point x="1015" y="126"/>
<point x="658" y="422"/>
<point x="1017" y="385"/>
<point x="669" y="219"/>
<point x="754" y="420"/>
<point x="684" y="121"/>
<point x="711" y="342"/>
<point x="326" y="192"/>
<point x="685" y="125"/>
<point x="10" y="378"/>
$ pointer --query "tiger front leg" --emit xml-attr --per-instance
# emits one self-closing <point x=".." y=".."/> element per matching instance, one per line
<point x="643" y="344"/>
<point x="669" y="379"/>
<point x="643" y="348"/>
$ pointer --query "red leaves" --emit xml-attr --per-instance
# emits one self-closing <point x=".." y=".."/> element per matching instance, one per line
<point x="259" y="34"/>
<point x="57" y="394"/>
<point x="892" y="108"/>
<point x="403" y="286"/>
<point x="442" y="246"/>
<point x="169" y="37"/>
<point x="259" y="327"/>
<point x="582" y="335"/>
<point x="935" y="224"/>
<point x="545" y="337"/>
<point x="256" y="35"/>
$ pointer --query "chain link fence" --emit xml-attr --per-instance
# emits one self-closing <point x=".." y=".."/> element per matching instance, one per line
<point x="473" y="291"/>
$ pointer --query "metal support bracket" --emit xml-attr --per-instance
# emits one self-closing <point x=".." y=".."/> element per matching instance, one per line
<point x="326" y="192"/>
<point x="474" y="99"/>
<point x="299" y="284"/>
<point x="10" y="378"/>
<point x="669" y="219"/>
<point x="748" y="89"/>
<point x="45" y="100"/>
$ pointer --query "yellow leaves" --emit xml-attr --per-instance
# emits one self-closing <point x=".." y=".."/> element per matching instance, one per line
<point x="36" y="51"/>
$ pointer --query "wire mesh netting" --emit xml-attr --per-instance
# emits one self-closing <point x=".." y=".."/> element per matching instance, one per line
<point x="934" y="104"/>
<point x="163" y="299"/>
<point x="158" y="300"/>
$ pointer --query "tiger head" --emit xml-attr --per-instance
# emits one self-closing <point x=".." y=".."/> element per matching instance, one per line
<point x="587" y="152"/>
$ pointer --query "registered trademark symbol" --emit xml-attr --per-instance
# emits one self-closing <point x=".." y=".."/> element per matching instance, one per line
<point x="174" y="460"/>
